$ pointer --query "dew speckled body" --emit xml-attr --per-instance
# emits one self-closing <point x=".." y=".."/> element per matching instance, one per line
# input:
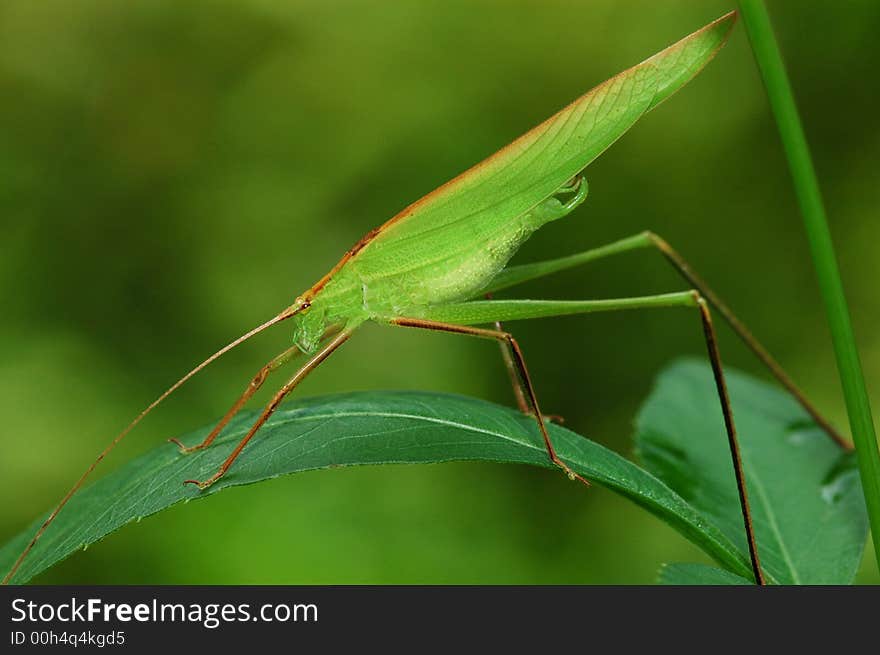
<point x="449" y="245"/>
<point x="431" y="270"/>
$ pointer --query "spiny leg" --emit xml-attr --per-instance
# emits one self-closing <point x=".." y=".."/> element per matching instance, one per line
<point x="313" y="362"/>
<point x="510" y="366"/>
<point x="516" y="274"/>
<point x="730" y="427"/>
<point x="476" y="312"/>
<point x="578" y="188"/>
<point x="252" y="388"/>
<point x="516" y="355"/>
<point x="775" y="368"/>
<point x="516" y="382"/>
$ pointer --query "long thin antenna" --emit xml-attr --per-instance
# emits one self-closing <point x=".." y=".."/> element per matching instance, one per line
<point x="287" y="313"/>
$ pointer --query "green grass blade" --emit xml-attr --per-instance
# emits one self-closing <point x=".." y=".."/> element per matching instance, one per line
<point x="809" y="197"/>
<point x="355" y="429"/>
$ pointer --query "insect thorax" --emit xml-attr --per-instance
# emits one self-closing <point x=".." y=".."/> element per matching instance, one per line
<point x="387" y="281"/>
<point x="335" y="305"/>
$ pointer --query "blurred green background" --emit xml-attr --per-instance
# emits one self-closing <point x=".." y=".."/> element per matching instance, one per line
<point x="172" y="173"/>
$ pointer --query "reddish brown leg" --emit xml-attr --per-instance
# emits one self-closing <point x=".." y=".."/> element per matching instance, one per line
<point x="516" y="356"/>
<point x="684" y="269"/>
<point x="291" y="384"/>
<point x="509" y="364"/>
<point x="515" y="381"/>
<point x="252" y="388"/>
<point x="733" y="442"/>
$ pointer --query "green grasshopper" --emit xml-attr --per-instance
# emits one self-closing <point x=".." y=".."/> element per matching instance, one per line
<point x="433" y="265"/>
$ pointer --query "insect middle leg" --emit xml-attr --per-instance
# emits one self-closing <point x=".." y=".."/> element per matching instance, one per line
<point x="516" y="356"/>
<point x="516" y="383"/>
<point x="476" y="312"/>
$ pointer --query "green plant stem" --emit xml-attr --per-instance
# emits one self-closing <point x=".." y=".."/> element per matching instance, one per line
<point x="806" y="185"/>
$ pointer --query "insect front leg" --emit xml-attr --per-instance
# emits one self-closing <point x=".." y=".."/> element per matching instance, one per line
<point x="282" y="393"/>
<point x="252" y="388"/>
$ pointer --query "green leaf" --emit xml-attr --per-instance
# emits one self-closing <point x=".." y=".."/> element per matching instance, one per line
<point x="344" y="430"/>
<point x="804" y="491"/>
<point x="698" y="574"/>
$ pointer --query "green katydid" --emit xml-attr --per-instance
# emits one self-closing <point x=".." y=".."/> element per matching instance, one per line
<point x="432" y="265"/>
